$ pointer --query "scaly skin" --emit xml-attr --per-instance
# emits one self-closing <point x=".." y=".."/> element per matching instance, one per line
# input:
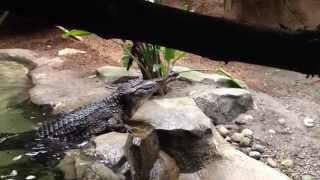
<point x="109" y="114"/>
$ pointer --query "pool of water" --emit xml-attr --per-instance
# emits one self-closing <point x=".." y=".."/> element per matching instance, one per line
<point x="18" y="115"/>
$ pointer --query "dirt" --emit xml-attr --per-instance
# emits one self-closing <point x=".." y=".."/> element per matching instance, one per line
<point x="278" y="93"/>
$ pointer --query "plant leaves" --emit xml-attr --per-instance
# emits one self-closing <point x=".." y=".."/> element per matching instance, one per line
<point x="76" y="32"/>
<point x="169" y="54"/>
<point x="156" y="67"/>
<point x="233" y="82"/>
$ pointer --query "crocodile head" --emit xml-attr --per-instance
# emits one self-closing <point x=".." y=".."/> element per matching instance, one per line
<point x="134" y="93"/>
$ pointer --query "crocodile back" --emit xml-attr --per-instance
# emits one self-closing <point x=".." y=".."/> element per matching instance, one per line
<point x="77" y="124"/>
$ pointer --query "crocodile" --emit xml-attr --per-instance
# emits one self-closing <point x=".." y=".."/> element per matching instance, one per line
<point x="103" y="116"/>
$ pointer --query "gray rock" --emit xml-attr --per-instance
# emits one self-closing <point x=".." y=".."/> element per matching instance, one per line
<point x="223" y="105"/>
<point x="114" y="73"/>
<point x="75" y="165"/>
<point x="236" y="137"/>
<point x="308" y="122"/>
<point x="245" y="142"/>
<point x="287" y="163"/>
<point x="255" y="154"/>
<point x="308" y="177"/>
<point x="110" y="148"/>
<point x="246" y="150"/>
<point x="247" y="133"/>
<point x="182" y="129"/>
<point x="196" y="76"/>
<point x="282" y="121"/>
<point x="258" y="147"/>
<point x="223" y="131"/>
<point x="142" y="151"/>
<point x="165" y="168"/>
<point x="272" y="163"/>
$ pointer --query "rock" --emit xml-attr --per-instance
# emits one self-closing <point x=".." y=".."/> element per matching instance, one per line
<point x="236" y="137"/>
<point x="223" y="131"/>
<point x="30" y="177"/>
<point x="255" y="154"/>
<point x="271" y="131"/>
<point x="247" y="133"/>
<point x="223" y="105"/>
<point x="110" y="147"/>
<point x="258" y="147"/>
<point x="245" y="142"/>
<point x="182" y="129"/>
<point x="197" y="76"/>
<point x="308" y="122"/>
<point x="142" y="151"/>
<point x="70" y="51"/>
<point x="272" y="163"/>
<point x="308" y="177"/>
<point x="246" y="150"/>
<point x="114" y="73"/>
<point x="287" y="163"/>
<point x="228" y="139"/>
<point x="165" y="168"/>
<point x="282" y="121"/>
<point x="75" y="165"/>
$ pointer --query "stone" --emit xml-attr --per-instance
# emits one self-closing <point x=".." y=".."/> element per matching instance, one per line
<point x="308" y="177"/>
<point x="165" y="168"/>
<point x="76" y="165"/>
<point x="182" y="128"/>
<point x="258" y="147"/>
<point x="287" y="163"/>
<point x="114" y="73"/>
<point x="308" y="122"/>
<point x="30" y="177"/>
<point x="247" y="133"/>
<point x="142" y="151"/>
<point x="282" y="121"/>
<point x="228" y="139"/>
<point x="70" y="51"/>
<point x="223" y="105"/>
<point x="271" y="131"/>
<point x="246" y="150"/>
<point x="255" y="154"/>
<point x="236" y="137"/>
<point x="196" y="76"/>
<point x="245" y="142"/>
<point x="272" y="163"/>
<point x="110" y="147"/>
<point x="223" y="131"/>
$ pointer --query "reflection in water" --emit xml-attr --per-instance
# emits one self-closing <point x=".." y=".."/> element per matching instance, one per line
<point x="18" y="115"/>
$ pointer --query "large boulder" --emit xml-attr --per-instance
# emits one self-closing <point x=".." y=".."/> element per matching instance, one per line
<point x="223" y="105"/>
<point x="184" y="131"/>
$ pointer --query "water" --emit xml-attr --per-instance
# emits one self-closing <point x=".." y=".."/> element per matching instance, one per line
<point x="18" y="115"/>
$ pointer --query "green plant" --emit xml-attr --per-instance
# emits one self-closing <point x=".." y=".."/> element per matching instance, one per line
<point x="233" y="82"/>
<point x="153" y="61"/>
<point x="74" y="33"/>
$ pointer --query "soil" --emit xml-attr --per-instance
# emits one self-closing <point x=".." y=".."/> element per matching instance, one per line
<point x="297" y="96"/>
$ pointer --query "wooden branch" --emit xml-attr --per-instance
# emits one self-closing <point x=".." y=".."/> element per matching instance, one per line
<point x="212" y="37"/>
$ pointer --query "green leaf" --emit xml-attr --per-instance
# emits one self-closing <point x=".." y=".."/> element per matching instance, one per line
<point x="156" y="67"/>
<point x="233" y="82"/>
<point x="126" y="59"/>
<point x="169" y="54"/>
<point x="76" y="32"/>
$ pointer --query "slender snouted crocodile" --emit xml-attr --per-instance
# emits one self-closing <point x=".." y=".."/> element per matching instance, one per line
<point x="108" y="114"/>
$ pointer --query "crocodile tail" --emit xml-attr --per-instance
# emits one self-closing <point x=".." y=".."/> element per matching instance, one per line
<point x="16" y="141"/>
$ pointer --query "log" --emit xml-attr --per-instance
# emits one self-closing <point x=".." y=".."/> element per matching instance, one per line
<point x="213" y="37"/>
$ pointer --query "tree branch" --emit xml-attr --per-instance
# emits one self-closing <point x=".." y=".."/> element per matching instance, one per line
<point x="211" y="37"/>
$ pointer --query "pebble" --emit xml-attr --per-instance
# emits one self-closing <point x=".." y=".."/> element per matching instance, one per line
<point x="255" y="154"/>
<point x="287" y="163"/>
<point x="272" y="163"/>
<point x="308" y="122"/>
<point x="228" y="139"/>
<point x="30" y="177"/>
<point x="245" y="141"/>
<point x="308" y="177"/>
<point x="271" y="131"/>
<point x="282" y="121"/>
<point x="246" y="150"/>
<point x="236" y="137"/>
<point x="258" y="147"/>
<point x="223" y="131"/>
<point x="247" y="133"/>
